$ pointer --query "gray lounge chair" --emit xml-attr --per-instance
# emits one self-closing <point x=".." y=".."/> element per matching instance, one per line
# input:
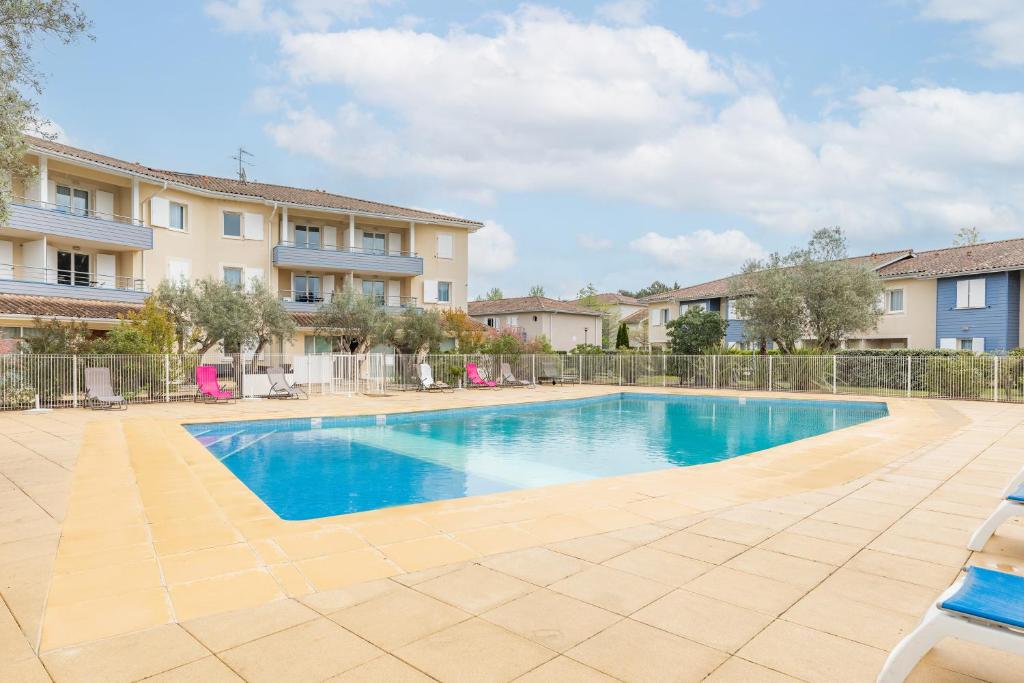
<point x="99" y="393"/>
<point x="551" y="371"/>
<point x="280" y="387"/>
<point x="427" y="381"/>
<point x="508" y="379"/>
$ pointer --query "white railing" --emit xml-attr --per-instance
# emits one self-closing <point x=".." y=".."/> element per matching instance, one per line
<point x="59" y="380"/>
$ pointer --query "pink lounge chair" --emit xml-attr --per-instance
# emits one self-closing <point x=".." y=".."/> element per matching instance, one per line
<point x="475" y="380"/>
<point x="208" y="389"/>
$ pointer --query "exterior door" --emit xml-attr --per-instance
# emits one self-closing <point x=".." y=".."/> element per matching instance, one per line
<point x="73" y="269"/>
<point x="375" y="290"/>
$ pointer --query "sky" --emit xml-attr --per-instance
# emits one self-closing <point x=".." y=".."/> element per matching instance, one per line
<point x="610" y="143"/>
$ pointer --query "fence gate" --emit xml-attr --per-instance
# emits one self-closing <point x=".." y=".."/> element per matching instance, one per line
<point x="345" y="375"/>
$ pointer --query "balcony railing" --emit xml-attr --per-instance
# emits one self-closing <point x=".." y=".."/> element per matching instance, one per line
<point x="62" y="276"/>
<point x="344" y="248"/>
<point x="73" y="211"/>
<point x="308" y="297"/>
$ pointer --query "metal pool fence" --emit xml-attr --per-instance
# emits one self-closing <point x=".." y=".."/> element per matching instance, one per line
<point x="58" y="380"/>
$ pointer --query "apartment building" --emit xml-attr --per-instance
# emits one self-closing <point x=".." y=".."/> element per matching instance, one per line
<point x="563" y="323"/>
<point x="92" y="235"/>
<point x="966" y="298"/>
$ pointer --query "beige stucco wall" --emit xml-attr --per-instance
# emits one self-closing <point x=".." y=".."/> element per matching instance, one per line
<point x="917" y="322"/>
<point x="563" y="330"/>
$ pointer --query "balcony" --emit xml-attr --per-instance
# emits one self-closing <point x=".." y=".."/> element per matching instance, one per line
<point x="31" y="281"/>
<point x="340" y="258"/>
<point x="86" y="225"/>
<point x="309" y="302"/>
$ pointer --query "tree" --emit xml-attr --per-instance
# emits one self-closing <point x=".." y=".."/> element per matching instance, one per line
<point x="586" y="350"/>
<point x="270" y="320"/>
<point x="468" y="334"/>
<point x="966" y="236"/>
<point x="588" y="298"/>
<point x="354" y="321"/>
<point x="622" y="338"/>
<point x="536" y="290"/>
<point x="502" y="342"/>
<point x="840" y="296"/>
<point x="539" y="344"/>
<point x="222" y="315"/>
<point x="58" y="336"/>
<point x="656" y="287"/>
<point x="494" y="294"/>
<point x="696" y="331"/>
<point x="417" y="331"/>
<point x="178" y="300"/>
<point x="148" y="330"/>
<point x="769" y="303"/>
<point x="20" y="22"/>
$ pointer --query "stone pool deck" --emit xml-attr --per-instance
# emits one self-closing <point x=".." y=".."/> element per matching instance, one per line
<point x="128" y="552"/>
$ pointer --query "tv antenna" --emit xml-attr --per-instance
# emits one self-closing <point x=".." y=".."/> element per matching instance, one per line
<point x="242" y="163"/>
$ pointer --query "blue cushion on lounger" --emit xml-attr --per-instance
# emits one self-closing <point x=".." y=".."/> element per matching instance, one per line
<point x="988" y="594"/>
<point x="1017" y="495"/>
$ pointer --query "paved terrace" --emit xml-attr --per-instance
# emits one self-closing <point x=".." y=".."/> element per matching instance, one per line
<point x="128" y="552"/>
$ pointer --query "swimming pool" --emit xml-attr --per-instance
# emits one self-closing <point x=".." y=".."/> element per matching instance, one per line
<point x="316" y="467"/>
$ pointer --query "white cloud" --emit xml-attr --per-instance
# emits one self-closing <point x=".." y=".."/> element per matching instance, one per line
<point x="50" y="129"/>
<point x="593" y="242"/>
<point x="998" y="25"/>
<point x="733" y="8"/>
<point x="625" y="12"/>
<point x="262" y="15"/>
<point x="702" y="250"/>
<point x="491" y="250"/>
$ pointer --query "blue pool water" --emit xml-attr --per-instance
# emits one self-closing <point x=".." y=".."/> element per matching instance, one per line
<point x="315" y="467"/>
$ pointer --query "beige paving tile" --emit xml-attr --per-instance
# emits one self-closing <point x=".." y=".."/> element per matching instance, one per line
<point x="82" y="622"/>
<point x="475" y="588"/>
<point x="230" y="629"/>
<point x="551" y="619"/>
<point x="345" y="569"/>
<point x="659" y="565"/>
<point x="795" y="571"/>
<point x="852" y="620"/>
<point x="539" y="566"/>
<point x="203" y="564"/>
<point x="23" y="671"/>
<point x="813" y="656"/>
<point x="819" y="550"/>
<point x="398" y="617"/>
<point x="738" y="670"/>
<point x="631" y="651"/>
<point x="729" y="530"/>
<point x="394" y="530"/>
<point x="970" y="659"/>
<point x="474" y="651"/>
<point x="207" y="670"/>
<point x="564" y="670"/>
<point x="611" y="589"/>
<point x="386" y="669"/>
<point x="746" y="590"/>
<point x="327" y="602"/>
<point x="309" y="544"/>
<point x="222" y="593"/>
<point x="314" y="650"/>
<point x="424" y="553"/>
<point x="126" y="658"/>
<point x="642" y="534"/>
<point x="906" y="569"/>
<point x="706" y="620"/>
<point x="921" y="550"/>
<point x="593" y="548"/>
<point x="898" y="596"/>
<point x="699" y="547"/>
<point x="292" y="582"/>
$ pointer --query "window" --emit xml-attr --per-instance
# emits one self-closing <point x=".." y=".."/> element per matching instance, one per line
<point x="314" y="344"/>
<point x="72" y="200"/>
<point x="970" y="293"/>
<point x="702" y="306"/>
<point x="444" y="246"/>
<point x="176" y="218"/>
<point x="374" y="243"/>
<point x="492" y="322"/>
<point x="307" y="289"/>
<point x="232" y="224"/>
<point x="965" y="344"/>
<point x="307" y="236"/>
<point x="894" y="301"/>
<point x="444" y="292"/>
<point x="660" y="316"/>
<point x="233" y="276"/>
<point x="512" y="320"/>
<point x="73" y="268"/>
<point x="374" y="289"/>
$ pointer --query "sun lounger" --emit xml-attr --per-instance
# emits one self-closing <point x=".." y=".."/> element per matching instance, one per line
<point x="984" y="606"/>
<point x="509" y="380"/>
<point x="207" y="387"/>
<point x="1012" y="506"/>
<point x="551" y="371"/>
<point x="280" y="387"/>
<point x="99" y="393"/>
<point x="475" y="380"/>
<point x="427" y="381"/>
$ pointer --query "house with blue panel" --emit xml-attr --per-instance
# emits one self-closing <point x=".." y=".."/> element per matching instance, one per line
<point x="966" y="298"/>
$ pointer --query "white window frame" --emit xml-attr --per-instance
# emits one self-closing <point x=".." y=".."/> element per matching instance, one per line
<point x="184" y="216"/>
<point x="512" y="320"/>
<point x="492" y="322"/>
<point x="964" y="344"/>
<point x="241" y="225"/>
<point x="73" y="189"/>
<point x="446" y="287"/>
<point x="888" y="300"/>
<point x="970" y="293"/>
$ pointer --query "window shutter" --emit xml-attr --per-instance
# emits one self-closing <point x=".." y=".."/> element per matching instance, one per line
<point x="394" y="243"/>
<point x="947" y="343"/>
<point x="178" y="270"/>
<point x="105" y="204"/>
<point x="978" y="344"/>
<point x="159" y="212"/>
<point x="253" y="226"/>
<point x="444" y="246"/>
<point x="978" y="292"/>
<point x="6" y="260"/>
<point x="652" y="317"/>
<point x="250" y="274"/>
<point x="359" y="238"/>
<point x="328" y="286"/>
<point x="394" y="293"/>
<point x="357" y="284"/>
<point x="32" y="191"/>
<point x="51" y="264"/>
<point x="430" y="291"/>
<point x="963" y="288"/>
<point x="106" y="270"/>
<point x="329" y="237"/>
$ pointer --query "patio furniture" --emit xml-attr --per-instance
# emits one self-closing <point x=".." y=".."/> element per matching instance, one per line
<point x="508" y="379"/>
<point x="1012" y="506"/>
<point x="280" y="387"/>
<point x="208" y="389"/>
<point x="983" y="605"/>
<point x="553" y="372"/>
<point x="427" y="381"/>
<point x="475" y="380"/>
<point x="99" y="392"/>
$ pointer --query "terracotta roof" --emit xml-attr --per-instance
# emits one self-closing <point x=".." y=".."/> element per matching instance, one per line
<point x="50" y="306"/>
<point x="528" y="304"/>
<point x="636" y="317"/>
<point x="265" y="191"/>
<point x="613" y="298"/>
<point x="974" y="258"/>
<point x="718" y="288"/>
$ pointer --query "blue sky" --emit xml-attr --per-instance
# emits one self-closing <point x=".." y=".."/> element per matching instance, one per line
<point x="608" y="142"/>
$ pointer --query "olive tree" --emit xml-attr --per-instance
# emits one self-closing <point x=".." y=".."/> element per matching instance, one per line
<point x="271" y="320"/>
<point x="354" y="321"/>
<point x="769" y="303"/>
<point x="416" y="331"/>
